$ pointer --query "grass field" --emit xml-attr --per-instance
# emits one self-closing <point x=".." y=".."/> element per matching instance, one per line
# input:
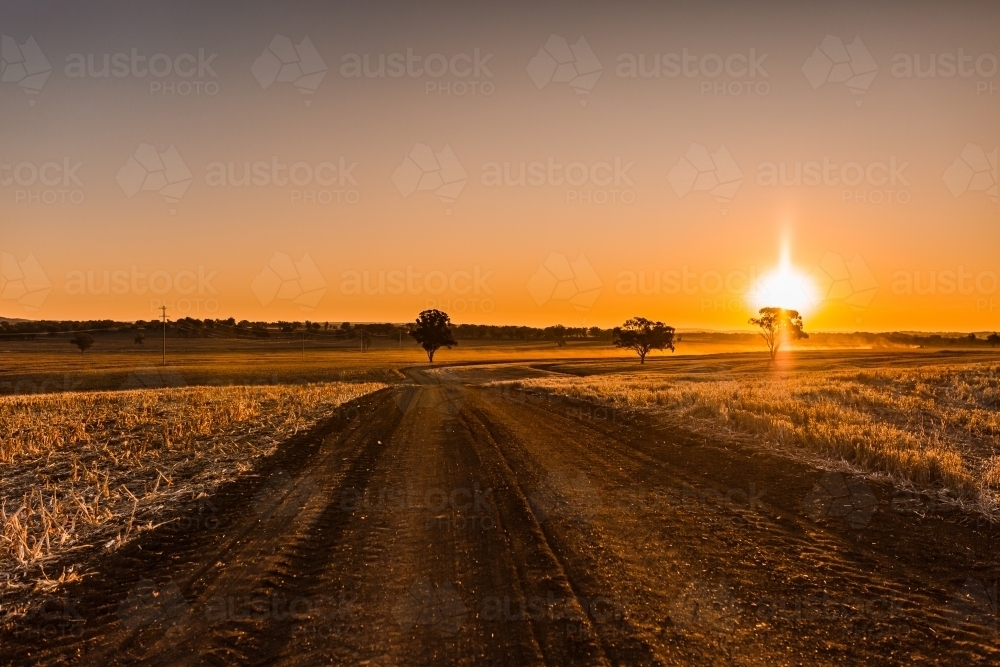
<point x="96" y="447"/>
<point x="51" y="364"/>
<point x="98" y="485"/>
<point x="84" y="471"/>
<point x="925" y="420"/>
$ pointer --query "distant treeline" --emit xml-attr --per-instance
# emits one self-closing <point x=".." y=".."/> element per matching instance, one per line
<point x="189" y="327"/>
<point x="508" y="332"/>
<point x="935" y="340"/>
<point x="26" y="330"/>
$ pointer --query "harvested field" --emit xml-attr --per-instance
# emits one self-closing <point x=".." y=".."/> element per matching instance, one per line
<point x="454" y="523"/>
<point x="935" y="427"/>
<point x="84" y="471"/>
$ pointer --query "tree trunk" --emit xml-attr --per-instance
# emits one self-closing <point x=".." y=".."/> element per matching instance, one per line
<point x="642" y="359"/>
<point x="430" y="356"/>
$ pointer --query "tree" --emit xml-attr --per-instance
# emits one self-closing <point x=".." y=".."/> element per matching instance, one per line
<point x="642" y="335"/>
<point x="778" y="325"/>
<point x="433" y="331"/>
<point x="558" y="334"/>
<point x="140" y="338"/>
<point x="993" y="339"/>
<point x="84" y="341"/>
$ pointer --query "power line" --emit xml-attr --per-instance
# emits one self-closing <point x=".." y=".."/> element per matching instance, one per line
<point x="164" y="310"/>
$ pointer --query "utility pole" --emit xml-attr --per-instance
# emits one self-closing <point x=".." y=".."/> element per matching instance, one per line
<point x="164" y="310"/>
<point x="401" y="339"/>
<point x="303" y="344"/>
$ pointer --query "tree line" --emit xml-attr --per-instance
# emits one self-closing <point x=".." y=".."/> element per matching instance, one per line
<point x="433" y="329"/>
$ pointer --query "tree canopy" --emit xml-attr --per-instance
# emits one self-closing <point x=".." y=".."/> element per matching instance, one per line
<point x="84" y="341"/>
<point x="433" y="331"/>
<point x="778" y="325"/>
<point x="643" y="336"/>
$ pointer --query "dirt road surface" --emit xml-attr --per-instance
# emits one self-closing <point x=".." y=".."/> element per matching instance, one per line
<point x="439" y="523"/>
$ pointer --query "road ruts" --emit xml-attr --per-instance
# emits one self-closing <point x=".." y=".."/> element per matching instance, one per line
<point x="438" y="523"/>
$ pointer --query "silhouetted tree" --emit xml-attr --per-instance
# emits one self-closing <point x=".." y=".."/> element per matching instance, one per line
<point x="140" y="338"/>
<point x="643" y="335"/>
<point x="433" y="331"/>
<point x="993" y="339"/>
<point x="84" y="341"/>
<point x="557" y="333"/>
<point x="777" y="325"/>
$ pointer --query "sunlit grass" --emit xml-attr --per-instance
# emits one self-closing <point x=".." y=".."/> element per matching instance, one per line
<point x="95" y="468"/>
<point x="937" y="427"/>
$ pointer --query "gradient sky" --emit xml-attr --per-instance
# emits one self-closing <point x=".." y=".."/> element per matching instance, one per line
<point x="877" y="244"/>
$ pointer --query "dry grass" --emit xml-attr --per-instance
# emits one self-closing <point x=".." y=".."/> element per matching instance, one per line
<point x="934" y="427"/>
<point x="92" y="469"/>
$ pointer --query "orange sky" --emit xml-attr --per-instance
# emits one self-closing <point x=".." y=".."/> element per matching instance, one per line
<point x="910" y="243"/>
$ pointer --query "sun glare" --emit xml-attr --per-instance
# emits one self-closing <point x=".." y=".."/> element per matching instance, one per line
<point x="784" y="287"/>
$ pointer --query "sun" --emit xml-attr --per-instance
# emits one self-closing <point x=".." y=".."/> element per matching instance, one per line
<point x="784" y="287"/>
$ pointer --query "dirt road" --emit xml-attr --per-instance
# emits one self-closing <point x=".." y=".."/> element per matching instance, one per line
<point x="439" y="523"/>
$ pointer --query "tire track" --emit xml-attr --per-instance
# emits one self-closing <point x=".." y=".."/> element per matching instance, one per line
<point x="450" y="524"/>
<point x="125" y="620"/>
<point x="737" y="561"/>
